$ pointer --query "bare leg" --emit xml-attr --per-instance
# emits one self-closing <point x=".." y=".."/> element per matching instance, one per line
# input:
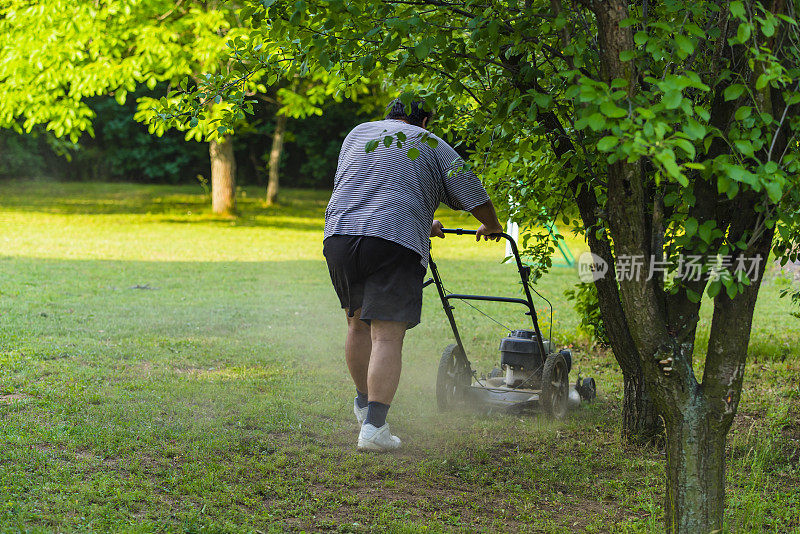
<point x="386" y="360"/>
<point x="357" y="349"/>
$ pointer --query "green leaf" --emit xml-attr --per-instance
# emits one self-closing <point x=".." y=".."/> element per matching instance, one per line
<point x="774" y="191"/>
<point x="542" y="100"/>
<point x="768" y="27"/>
<point x="745" y="147"/>
<point x="671" y="198"/>
<point x="740" y="174"/>
<point x="743" y="32"/>
<point x="672" y="99"/>
<point x="771" y="167"/>
<point x="693" y="296"/>
<point x="406" y="97"/>
<point x="609" y="109"/>
<point x="371" y="146"/>
<point x="422" y="50"/>
<point x="413" y="152"/>
<point x="722" y="184"/>
<point x="705" y="231"/>
<point x="667" y="158"/>
<point x="731" y="288"/>
<point x="695" y="30"/>
<point x="596" y="121"/>
<point x="713" y="288"/>
<point x="627" y="55"/>
<point x="734" y="91"/>
<point x="743" y="112"/>
<point x="368" y="63"/>
<point x="762" y="82"/>
<point x="686" y="146"/>
<point x="737" y="9"/>
<point x="607" y="143"/>
<point x="387" y="141"/>
<point x="690" y="227"/>
<point x="702" y="112"/>
<point x="684" y="43"/>
<point x="694" y="130"/>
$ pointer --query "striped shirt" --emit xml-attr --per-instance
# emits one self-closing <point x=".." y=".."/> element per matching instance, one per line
<point x="386" y="194"/>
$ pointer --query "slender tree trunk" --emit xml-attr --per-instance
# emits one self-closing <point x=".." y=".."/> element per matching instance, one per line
<point x="641" y="423"/>
<point x="695" y="473"/>
<point x="275" y="159"/>
<point x="223" y="176"/>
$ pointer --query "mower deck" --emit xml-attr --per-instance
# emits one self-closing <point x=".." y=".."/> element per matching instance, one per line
<point x="493" y="394"/>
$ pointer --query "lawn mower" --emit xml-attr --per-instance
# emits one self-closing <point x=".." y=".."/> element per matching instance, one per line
<point x="532" y="375"/>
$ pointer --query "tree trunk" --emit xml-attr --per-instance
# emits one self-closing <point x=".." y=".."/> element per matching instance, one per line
<point x="275" y="159"/>
<point x="695" y="473"/>
<point x="223" y="176"/>
<point x="641" y="423"/>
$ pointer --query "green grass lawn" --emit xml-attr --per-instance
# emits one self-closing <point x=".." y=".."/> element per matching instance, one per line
<point x="164" y="370"/>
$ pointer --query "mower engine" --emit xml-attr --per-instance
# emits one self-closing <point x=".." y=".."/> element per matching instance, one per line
<point x="522" y="361"/>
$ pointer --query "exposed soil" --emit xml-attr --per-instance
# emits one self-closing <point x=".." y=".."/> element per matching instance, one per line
<point x="13" y="397"/>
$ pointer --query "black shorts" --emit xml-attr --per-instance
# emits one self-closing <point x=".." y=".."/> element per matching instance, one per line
<point x="381" y="277"/>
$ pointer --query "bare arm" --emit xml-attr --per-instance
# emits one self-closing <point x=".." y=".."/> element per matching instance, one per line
<point x="490" y="225"/>
<point x="485" y="214"/>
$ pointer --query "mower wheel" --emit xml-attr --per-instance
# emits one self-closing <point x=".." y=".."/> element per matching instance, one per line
<point x="451" y="379"/>
<point x="554" y="396"/>
<point x="588" y="391"/>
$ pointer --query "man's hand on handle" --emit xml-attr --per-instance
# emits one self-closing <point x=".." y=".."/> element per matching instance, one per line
<point x="485" y="214"/>
<point x="488" y="232"/>
<point x="436" y="229"/>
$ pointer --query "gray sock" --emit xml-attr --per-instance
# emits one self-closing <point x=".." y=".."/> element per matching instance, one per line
<point x="376" y="413"/>
<point x="361" y="399"/>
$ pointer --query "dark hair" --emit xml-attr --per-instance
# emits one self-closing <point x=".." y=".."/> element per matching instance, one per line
<point x="397" y="110"/>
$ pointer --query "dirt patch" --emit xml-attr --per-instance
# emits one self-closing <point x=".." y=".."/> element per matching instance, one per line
<point x="13" y="397"/>
<point x="466" y="506"/>
<point x="791" y="433"/>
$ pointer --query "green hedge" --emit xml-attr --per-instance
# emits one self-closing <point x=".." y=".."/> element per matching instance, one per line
<point x="123" y="150"/>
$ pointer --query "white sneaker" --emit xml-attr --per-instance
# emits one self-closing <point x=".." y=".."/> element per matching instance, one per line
<point x="374" y="438"/>
<point x="361" y="413"/>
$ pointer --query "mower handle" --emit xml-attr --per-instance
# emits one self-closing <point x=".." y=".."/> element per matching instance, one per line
<point x="461" y="231"/>
<point x="524" y="272"/>
<point x="515" y="252"/>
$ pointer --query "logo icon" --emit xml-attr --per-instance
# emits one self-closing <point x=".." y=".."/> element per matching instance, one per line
<point x="591" y="267"/>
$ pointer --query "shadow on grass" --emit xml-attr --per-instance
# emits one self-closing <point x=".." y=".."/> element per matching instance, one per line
<point x="304" y="224"/>
<point x="88" y="198"/>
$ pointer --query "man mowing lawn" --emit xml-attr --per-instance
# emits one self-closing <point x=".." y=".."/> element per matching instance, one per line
<point x="378" y="226"/>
